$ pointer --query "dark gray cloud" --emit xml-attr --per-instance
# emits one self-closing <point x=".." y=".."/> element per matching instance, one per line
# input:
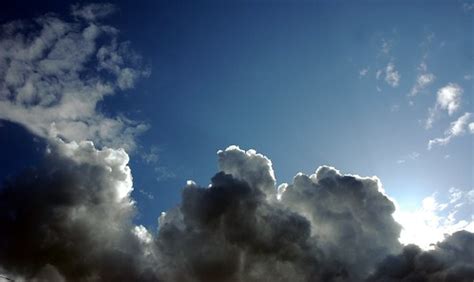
<point x="451" y="260"/>
<point x="71" y="217"/>
<point x="351" y="217"/>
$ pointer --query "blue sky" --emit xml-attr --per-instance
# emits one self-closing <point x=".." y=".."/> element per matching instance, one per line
<point x="297" y="81"/>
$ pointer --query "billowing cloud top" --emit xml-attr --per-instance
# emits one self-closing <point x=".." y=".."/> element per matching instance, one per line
<point x="71" y="219"/>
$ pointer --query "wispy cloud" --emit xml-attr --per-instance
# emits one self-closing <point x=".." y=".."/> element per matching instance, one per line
<point x="412" y="156"/>
<point x="461" y="126"/>
<point x="423" y="79"/>
<point x="363" y="72"/>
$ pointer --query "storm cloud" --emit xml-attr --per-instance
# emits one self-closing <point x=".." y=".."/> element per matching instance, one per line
<point x="71" y="219"/>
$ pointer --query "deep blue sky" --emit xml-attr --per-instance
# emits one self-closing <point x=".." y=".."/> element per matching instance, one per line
<point x="283" y="77"/>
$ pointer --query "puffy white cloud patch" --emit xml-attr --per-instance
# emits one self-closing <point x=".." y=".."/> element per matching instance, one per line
<point x="449" y="98"/>
<point x="54" y="72"/>
<point x="464" y="124"/>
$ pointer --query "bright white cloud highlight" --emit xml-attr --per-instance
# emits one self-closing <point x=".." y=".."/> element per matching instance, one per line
<point x="434" y="220"/>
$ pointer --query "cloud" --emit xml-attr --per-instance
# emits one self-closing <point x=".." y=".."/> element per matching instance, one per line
<point x="412" y="156"/>
<point x="53" y="73"/>
<point x="464" y="124"/>
<point x="434" y="219"/>
<point x="451" y="260"/>
<point x="448" y="99"/>
<point x="392" y="76"/>
<point x="72" y="217"/>
<point x="422" y="81"/>
<point x="363" y="72"/>
<point x="93" y="11"/>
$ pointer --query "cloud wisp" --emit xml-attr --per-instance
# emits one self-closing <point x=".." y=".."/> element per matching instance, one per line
<point x="464" y="124"/>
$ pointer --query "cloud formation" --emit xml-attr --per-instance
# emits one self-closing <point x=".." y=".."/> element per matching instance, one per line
<point x="392" y="77"/>
<point x="436" y="217"/>
<point x="464" y="124"/>
<point x="451" y="260"/>
<point x="448" y="98"/>
<point x="53" y="73"/>
<point x="71" y="219"/>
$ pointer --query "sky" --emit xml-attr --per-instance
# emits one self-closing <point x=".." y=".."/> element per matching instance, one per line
<point x="377" y="89"/>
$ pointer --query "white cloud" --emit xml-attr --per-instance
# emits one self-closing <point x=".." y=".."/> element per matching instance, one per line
<point x="53" y="73"/>
<point x="392" y="77"/>
<point x="448" y="98"/>
<point x="363" y="72"/>
<point x="434" y="219"/>
<point x="422" y="81"/>
<point x="457" y="128"/>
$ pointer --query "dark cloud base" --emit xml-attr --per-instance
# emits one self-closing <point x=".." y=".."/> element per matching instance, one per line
<point x="68" y="220"/>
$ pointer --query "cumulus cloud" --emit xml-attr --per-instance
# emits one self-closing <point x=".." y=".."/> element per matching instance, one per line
<point x="306" y="235"/>
<point x="71" y="217"/>
<point x="54" y="72"/>
<point x="449" y="98"/>
<point x="450" y="260"/>
<point x="464" y="124"/>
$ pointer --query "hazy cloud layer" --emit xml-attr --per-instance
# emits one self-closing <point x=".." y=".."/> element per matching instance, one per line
<point x="53" y="73"/>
